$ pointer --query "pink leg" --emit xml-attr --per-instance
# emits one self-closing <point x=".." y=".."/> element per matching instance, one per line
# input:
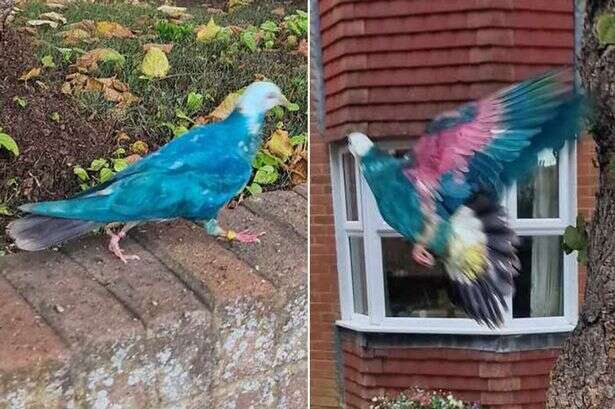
<point x="114" y="243"/>
<point x="247" y="237"/>
<point x="422" y="256"/>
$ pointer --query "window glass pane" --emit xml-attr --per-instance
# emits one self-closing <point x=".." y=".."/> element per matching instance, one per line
<point x="350" y="187"/>
<point x="537" y="196"/>
<point x="539" y="285"/>
<point x="412" y="290"/>
<point x="359" y="280"/>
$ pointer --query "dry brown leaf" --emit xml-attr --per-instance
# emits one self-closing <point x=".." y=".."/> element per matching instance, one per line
<point x="38" y="23"/>
<point x="53" y="16"/>
<point x="164" y="47"/>
<point x="111" y="29"/>
<point x="122" y="137"/>
<point x="29" y="74"/>
<point x="303" y="48"/>
<point x="139" y="147"/>
<point x="278" y="11"/>
<point x="171" y="11"/>
<point x="86" y="25"/>
<point x="76" y="36"/>
<point x="132" y="158"/>
<point x="88" y="62"/>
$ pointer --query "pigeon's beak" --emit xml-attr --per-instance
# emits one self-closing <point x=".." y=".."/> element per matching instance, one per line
<point x="284" y="101"/>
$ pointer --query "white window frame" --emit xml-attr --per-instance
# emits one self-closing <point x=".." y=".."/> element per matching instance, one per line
<point x="371" y="226"/>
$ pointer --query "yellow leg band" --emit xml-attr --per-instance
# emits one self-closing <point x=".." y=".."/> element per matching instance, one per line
<point x="231" y="235"/>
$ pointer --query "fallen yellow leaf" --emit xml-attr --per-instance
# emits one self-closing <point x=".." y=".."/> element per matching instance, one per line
<point x="32" y="73"/>
<point x="225" y="108"/>
<point x="235" y="4"/>
<point x="111" y="29"/>
<point x="207" y="32"/>
<point x="139" y="147"/>
<point x="279" y="144"/>
<point x="155" y="63"/>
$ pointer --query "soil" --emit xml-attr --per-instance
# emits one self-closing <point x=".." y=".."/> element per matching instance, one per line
<point x="48" y="149"/>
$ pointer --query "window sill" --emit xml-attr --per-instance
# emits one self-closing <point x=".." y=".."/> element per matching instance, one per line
<point x="502" y="341"/>
<point x="462" y="327"/>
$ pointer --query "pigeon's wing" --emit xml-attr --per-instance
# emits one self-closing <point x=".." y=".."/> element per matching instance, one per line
<point x="194" y="186"/>
<point x="482" y="147"/>
<point x="495" y="141"/>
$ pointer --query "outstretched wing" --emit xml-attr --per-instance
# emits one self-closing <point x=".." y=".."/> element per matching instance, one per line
<point x="495" y="141"/>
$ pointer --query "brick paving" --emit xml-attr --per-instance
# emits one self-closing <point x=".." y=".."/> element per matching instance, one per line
<point x="196" y="323"/>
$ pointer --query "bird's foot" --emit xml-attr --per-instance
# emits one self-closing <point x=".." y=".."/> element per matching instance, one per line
<point x="422" y="256"/>
<point x="244" y="236"/>
<point x="114" y="247"/>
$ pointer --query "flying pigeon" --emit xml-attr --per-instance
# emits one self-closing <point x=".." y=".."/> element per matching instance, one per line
<point x="445" y="196"/>
<point x="191" y="177"/>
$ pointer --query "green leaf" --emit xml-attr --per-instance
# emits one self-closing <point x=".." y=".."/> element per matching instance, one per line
<point x="298" y="139"/>
<point x="55" y="116"/>
<point x="9" y="143"/>
<point x="5" y="210"/>
<point x="254" y="189"/>
<point x="119" y="152"/>
<point x="194" y="101"/>
<point x="270" y="26"/>
<point x="292" y="107"/>
<point x="182" y="115"/>
<point x="119" y="164"/>
<point x="81" y="173"/>
<point x="605" y="28"/>
<point x="105" y="174"/>
<point x="248" y="39"/>
<point x="277" y="113"/>
<point x="266" y="175"/>
<point x="98" y="164"/>
<point x="20" y="101"/>
<point x="67" y="54"/>
<point x="574" y="239"/>
<point x="263" y="158"/>
<point x="47" y="61"/>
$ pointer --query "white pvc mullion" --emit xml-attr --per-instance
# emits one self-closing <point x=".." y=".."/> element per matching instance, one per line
<point x="373" y="258"/>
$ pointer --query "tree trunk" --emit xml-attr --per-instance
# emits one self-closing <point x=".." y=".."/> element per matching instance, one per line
<point x="584" y="375"/>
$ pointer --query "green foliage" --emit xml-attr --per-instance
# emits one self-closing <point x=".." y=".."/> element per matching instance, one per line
<point x="20" y="101"/>
<point x="605" y="28"/>
<point x="575" y="239"/>
<point x="48" y="62"/>
<point x="100" y="170"/>
<point x="176" y="33"/>
<point x="8" y="143"/>
<point x="194" y="102"/>
<point x="297" y="23"/>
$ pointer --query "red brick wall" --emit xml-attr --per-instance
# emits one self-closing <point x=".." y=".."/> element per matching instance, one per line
<point x="514" y="380"/>
<point x="389" y="66"/>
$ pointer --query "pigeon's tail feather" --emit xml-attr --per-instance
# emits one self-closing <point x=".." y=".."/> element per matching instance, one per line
<point x="33" y="233"/>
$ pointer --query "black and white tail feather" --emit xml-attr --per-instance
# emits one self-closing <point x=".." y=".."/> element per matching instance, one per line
<point x="486" y="261"/>
<point x="33" y="232"/>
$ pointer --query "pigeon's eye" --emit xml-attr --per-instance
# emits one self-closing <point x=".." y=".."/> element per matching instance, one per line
<point x="271" y="95"/>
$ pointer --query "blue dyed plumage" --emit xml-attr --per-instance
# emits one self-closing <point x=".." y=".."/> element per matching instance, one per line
<point x="447" y="199"/>
<point x="191" y="177"/>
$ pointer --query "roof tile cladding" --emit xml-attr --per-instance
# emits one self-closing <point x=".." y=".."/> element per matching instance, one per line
<point x="391" y="65"/>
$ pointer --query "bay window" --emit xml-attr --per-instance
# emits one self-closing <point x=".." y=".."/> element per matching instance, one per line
<point x="383" y="290"/>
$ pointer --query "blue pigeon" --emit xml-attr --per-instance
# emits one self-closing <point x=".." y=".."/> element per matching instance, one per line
<point x="445" y="196"/>
<point x="191" y="177"/>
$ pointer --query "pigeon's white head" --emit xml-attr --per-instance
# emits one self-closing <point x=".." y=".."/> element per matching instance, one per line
<point x="259" y="97"/>
<point x="359" y="144"/>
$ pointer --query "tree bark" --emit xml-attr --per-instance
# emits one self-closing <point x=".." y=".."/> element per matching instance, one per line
<point x="584" y="375"/>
